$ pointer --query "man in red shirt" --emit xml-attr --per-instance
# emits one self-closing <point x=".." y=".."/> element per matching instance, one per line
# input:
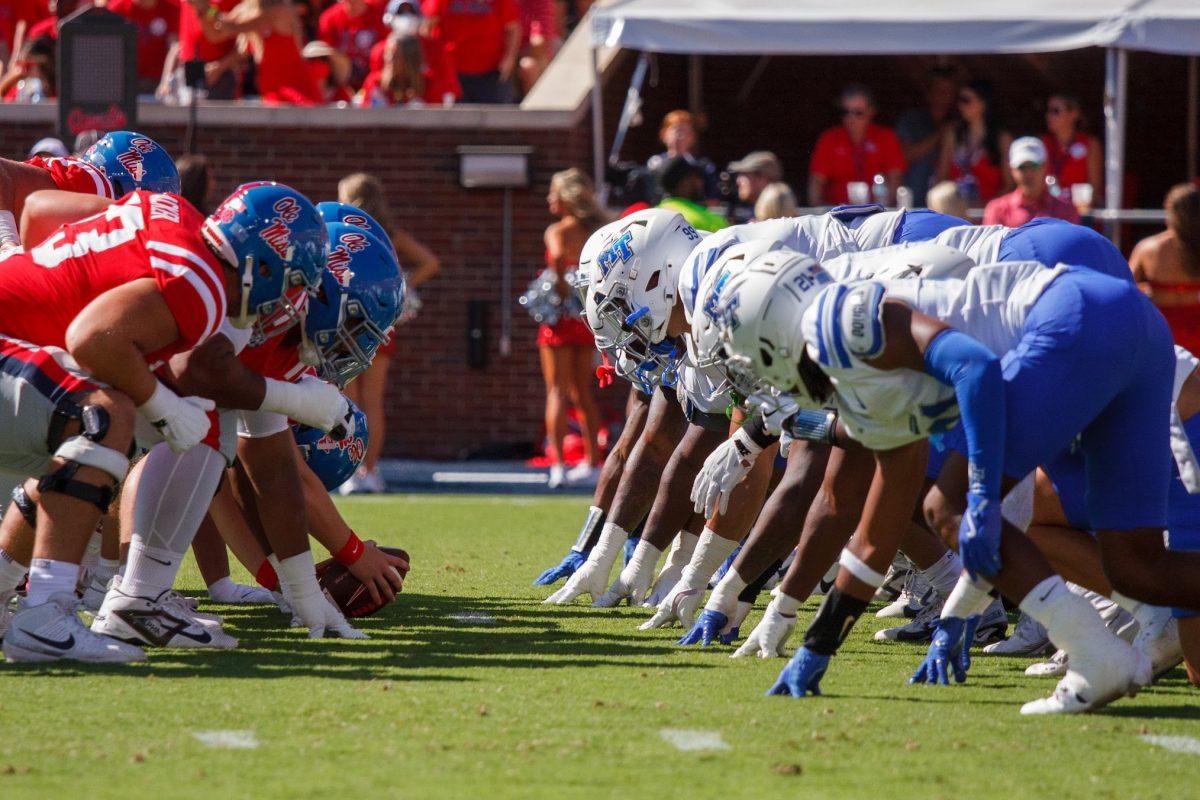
<point x="157" y="24"/>
<point x="352" y="27"/>
<point x="1031" y="198"/>
<point x="222" y="62"/>
<point x="13" y="12"/>
<point x="855" y="151"/>
<point x="482" y="37"/>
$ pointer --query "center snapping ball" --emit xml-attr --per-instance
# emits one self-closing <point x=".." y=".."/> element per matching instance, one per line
<point x="346" y="591"/>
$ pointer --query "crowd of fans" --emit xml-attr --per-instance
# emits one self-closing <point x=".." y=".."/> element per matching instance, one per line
<point x="308" y="52"/>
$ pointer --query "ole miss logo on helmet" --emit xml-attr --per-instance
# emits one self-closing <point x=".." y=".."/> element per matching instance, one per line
<point x="354" y="446"/>
<point x="278" y="235"/>
<point x="339" y="260"/>
<point x="357" y="220"/>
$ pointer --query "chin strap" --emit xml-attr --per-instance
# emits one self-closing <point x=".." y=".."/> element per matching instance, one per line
<point x="243" y="318"/>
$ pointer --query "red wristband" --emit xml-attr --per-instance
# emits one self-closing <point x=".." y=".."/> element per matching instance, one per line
<point x="351" y="551"/>
<point x="266" y="576"/>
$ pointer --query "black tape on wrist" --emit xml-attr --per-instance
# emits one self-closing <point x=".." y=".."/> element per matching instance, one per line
<point x="589" y="534"/>
<point x="756" y="429"/>
<point x="833" y="622"/>
<point x="750" y="593"/>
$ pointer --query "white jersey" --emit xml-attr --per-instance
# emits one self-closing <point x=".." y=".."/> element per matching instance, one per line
<point x="909" y="260"/>
<point x="980" y="242"/>
<point x="706" y="389"/>
<point x="884" y="409"/>
<point x="877" y="230"/>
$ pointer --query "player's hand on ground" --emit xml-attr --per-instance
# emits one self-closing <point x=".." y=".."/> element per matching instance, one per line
<point x="770" y="635"/>
<point x="381" y="573"/>
<point x="725" y="468"/>
<point x="943" y="656"/>
<point x="322" y="618"/>
<point x="679" y="606"/>
<point x="708" y="627"/>
<point x="631" y="585"/>
<point x="589" y="579"/>
<point x="802" y="675"/>
<point x="571" y="562"/>
<point x="665" y="584"/>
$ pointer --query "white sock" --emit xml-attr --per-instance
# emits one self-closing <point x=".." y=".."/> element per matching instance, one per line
<point x="645" y="558"/>
<point x="724" y="597"/>
<point x="48" y="577"/>
<point x="711" y="551"/>
<point x="1070" y="621"/>
<point x="943" y="575"/>
<point x="11" y="572"/>
<point x="1143" y="612"/>
<point x="967" y="598"/>
<point x="103" y="570"/>
<point x="220" y="589"/>
<point x="150" y="571"/>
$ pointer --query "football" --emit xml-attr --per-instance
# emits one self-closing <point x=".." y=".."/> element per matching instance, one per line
<point x="346" y="591"/>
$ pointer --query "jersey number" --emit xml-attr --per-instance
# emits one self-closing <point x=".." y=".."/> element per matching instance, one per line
<point x="115" y="226"/>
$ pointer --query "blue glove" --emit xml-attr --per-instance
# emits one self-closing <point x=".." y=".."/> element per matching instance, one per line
<point x="964" y="655"/>
<point x="706" y="628"/>
<point x="802" y="675"/>
<point x="943" y="654"/>
<point x="573" y="561"/>
<point x="725" y="565"/>
<point x="630" y="545"/>
<point x="979" y="536"/>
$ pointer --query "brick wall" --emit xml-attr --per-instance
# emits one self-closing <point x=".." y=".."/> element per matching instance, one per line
<point x="438" y="406"/>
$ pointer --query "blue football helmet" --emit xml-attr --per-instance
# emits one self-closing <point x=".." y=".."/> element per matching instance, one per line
<point x="274" y="238"/>
<point x="333" y="460"/>
<point x="133" y="161"/>
<point x="333" y="211"/>
<point x="352" y="314"/>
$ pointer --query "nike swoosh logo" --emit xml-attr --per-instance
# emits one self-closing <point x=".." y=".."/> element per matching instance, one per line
<point x="160" y="635"/>
<point x="63" y="644"/>
<point x="157" y="561"/>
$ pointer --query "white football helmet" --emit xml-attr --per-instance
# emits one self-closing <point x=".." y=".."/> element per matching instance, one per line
<point x="758" y="314"/>
<point x="704" y="340"/>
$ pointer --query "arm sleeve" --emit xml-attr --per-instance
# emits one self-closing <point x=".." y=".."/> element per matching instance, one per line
<point x="957" y="360"/>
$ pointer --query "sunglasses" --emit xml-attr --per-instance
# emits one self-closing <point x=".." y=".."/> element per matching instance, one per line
<point x="854" y="112"/>
<point x="1029" y="165"/>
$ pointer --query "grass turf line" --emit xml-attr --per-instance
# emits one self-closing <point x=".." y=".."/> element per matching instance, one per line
<point x="550" y="702"/>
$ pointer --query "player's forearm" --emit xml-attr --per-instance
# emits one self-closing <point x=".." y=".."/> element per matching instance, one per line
<point x="672" y="504"/>
<point x="212" y="370"/>
<point x="116" y="361"/>
<point x="325" y="522"/>
<point x="271" y="469"/>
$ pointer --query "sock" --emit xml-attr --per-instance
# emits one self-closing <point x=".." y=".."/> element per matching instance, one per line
<point x="786" y="604"/>
<point x="48" y="577"/>
<point x="711" y="552"/>
<point x="967" y="598"/>
<point x="11" y="572"/>
<point x="1070" y="621"/>
<point x="150" y="571"/>
<point x="103" y="570"/>
<point x="266" y="575"/>
<point x="645" y="558"/>
<point x="724" y="596"/>
<point x="943" y="575"/>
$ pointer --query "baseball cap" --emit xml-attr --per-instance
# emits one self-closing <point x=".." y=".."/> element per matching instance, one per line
<point x="1027" y="149"/>
<point x="761" y="161"/>
<point x="49" y="147"/>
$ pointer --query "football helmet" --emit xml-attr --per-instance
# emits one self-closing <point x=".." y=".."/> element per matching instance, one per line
<point x="360" y="296"/>
<point x="275" y="240"/>
<point x="133" y="161"/>
<point x="333" y="460"/>
<point x="704" y="339"/>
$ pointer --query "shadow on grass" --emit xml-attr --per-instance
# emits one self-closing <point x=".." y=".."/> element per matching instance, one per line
<point x="418" y="638"/>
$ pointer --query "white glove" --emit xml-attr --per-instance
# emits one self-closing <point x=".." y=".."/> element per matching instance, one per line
<point x="310" y="401"/>
<point x="775" y="410"/>
<point x="677" y="558"/>
<point x="725" y="468"/>
<point x="182" y="421"/>
<point x="769" y="636"/>
<point x="634" y="580"/>
<point x="310" y="607"/>
<point x="680" y="605"/>
<point x="592" y="577"/>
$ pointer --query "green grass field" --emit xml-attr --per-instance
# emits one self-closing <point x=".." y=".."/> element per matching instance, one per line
<point x="517" y="699"/>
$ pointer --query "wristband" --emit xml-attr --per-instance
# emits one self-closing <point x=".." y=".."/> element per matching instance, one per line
<point x="351" y="551"/>
<point x="756" y="429"/>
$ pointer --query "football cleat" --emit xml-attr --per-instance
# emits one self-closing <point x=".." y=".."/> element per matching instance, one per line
<point x="1094" y="682"/>
<point x="52" y="632"/>
<point x="8" y="602"/>
<point x="923" y="625"/>
<point x="1054" y="667"/>
<point x="1029" y="639"/>
<point x="908" y="602"/>
<point x="993" y="623"/>
<point x="1158" y="638"/>
<point x="162" y="621"/>
<point x="93" y="594"/>
<point x="893" y="581"/>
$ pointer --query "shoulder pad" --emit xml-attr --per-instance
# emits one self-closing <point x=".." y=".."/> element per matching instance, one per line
<point x="859" y="319"/>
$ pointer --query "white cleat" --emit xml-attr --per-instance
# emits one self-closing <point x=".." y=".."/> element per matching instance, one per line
<point x="93" y="594"/>
<point x="1093" y="683"/>
<point x="557" y="477"/>
<point x="185" y="606"/>
<point x="909" y="602"/>
<point x="241" y="594"/>
<point x="8" y="603"/>
<point x="893" y="582"/>
<point x="922" y="627"/>
<point x="157" y="622"/>
<point x="52" y="632"/>
<point x="1054" y="667"/>
<point x="1158" y="638"/>
<point x="1029" y="638"/>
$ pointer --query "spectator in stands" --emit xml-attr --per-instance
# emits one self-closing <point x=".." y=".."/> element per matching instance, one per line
<point x="57" y="10"/>
<point x="972" y="151"/>
<point x="855" y="151"/>
<point x="400" y="79"/>
<point x="224" y="65"/>
<point x="1031" y="198"/>
<point x="31" y="78"/>
<point x="566" y="349"/>
<point x="17" y="16"/>
<point x="922" y="129"/>
<point x="196" y="182"/>
<point x="682" y="182"/>
<point x="1074" y="156"/>
<point x="271" y="29"/>
<point x="353" y="27"/>
<point x="540" y="39"/>
<point x="1167" y="265"/>
<point x="945" y="198"/>
<point x="774" y="201"/>
<point x="680" y="134"/>
<point x="369" y="390"/>
<point x="157" y="24"/>
<point x="84" y="140"/>
<point x="49" y="147"/>
<point x="330" y="70"/>
<point x="483" y="38"/>
<point x="753" y="174"/>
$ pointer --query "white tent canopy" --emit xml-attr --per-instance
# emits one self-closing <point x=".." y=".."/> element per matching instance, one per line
<point x="887" y="27"/>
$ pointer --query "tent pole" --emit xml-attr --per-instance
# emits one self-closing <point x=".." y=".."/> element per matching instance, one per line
<point x="598" y="129"/>
<point x="1116" y="69"/>
<point x="1193" y="109"/>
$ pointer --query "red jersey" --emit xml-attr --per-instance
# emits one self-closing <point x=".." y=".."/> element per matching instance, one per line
<point x="473" y="30"/>
<point x="1068" y="165"/>
<point x="156" y="27"/>
<point x="192" y="42"/>
<point x="144" y="235"/>
<point x="353" y="36"/>
<point x="842" y="161"/>
<point x="277" y="357"/>
<point x="74" y="175"/>
<point x="14" y="11"/>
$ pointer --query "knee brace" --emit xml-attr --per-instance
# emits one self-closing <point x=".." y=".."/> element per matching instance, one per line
<point x="27" y="507"/>
<point x="84" y="450"/>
